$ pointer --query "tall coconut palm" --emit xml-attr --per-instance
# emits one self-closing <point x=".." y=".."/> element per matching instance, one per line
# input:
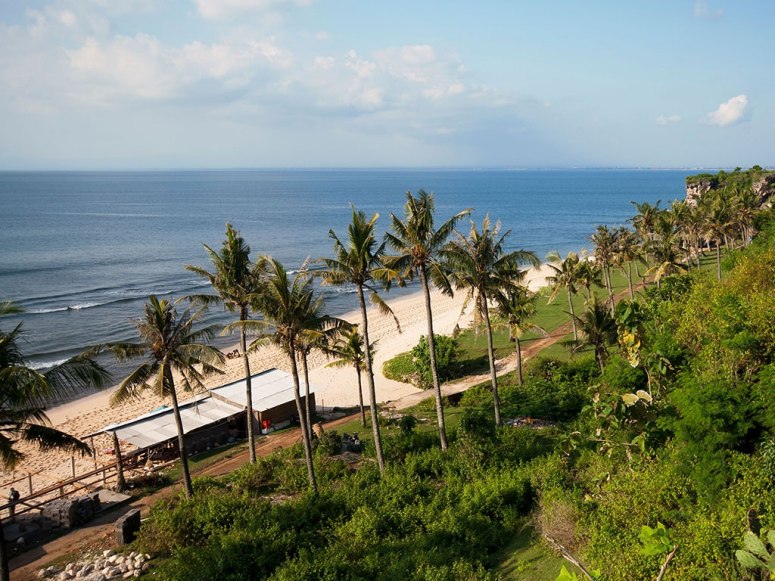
<point x="516" y="304"/>
<point x="605" y="255"/>
<point x="626" y="252"/>
<point x="598" y="328"/>
<point x="480" y="264"/>
<point x="24" y="393"/>
<point x="358" y="261"/>
<point x="170" y="346"/>
<point x="348" y="349"/>
<point x="589" y="274"/>
<point x="645" y="220"/>
<point x="235" y="279"/>
<point x="417" y="242"/>
<point x="667" y="258"/>
<point x="565" y="277"/>
<point x="318" y="333"/>
<point x="292" y="313"/>
<point x="718" y="221"/>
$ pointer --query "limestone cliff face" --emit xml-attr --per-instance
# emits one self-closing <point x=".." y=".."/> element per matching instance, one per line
<point x="763" y="186"/>
<point x="695" y="190"/>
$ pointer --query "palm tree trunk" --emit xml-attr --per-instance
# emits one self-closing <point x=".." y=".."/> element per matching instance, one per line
<point x="120" y="480"/>
<point x="609" y="287"/>
<point x="370" y="380"/>
<point x="491" y="355"/>
<point x="308" y="413"/>
<point x="248" y="387"/>
<point x="432" y="353"/>
<point x="360" y="396"/>
<point x="181" y="436"/>
<point x="519" y="360"/>
<point x="718" y="259"/>
<point x="304" y="434"/>
<point x="629" y="280"/>
<point x="572" y="315"/>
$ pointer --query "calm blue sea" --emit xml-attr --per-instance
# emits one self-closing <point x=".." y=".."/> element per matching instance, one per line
<point x="81" y="251"/>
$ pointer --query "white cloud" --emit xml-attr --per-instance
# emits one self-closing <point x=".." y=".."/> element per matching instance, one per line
<point x="221" y="9"/>
<point x="703" y="10"/>
<point x="325" y="63"/>
<point x="141" y="66"/>
<point x="729" y="112"/>
<point x="668" y="119"/>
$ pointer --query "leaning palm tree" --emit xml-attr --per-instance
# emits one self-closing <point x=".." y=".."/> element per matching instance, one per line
<point x="718" y="222"/>
<point x="566" y="276"/>
<point x="480" y="264"/>
<point x="235" y="280"/>
<point x="170" y="346"/>
<point x="417" y="242"/>
<point x="358" y="261"/>
<point x="598" y="328"/>
<point x="516" y="304"/>
<point x="292" y="313"/>
<point x="24" y="393"/>
<point x="348" y="350"/>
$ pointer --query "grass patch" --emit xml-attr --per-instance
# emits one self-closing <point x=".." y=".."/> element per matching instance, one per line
<point x="525" y="557"/>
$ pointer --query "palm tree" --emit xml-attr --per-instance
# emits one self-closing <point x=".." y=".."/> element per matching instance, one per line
<point x="417" y="242"/>
<point x="292" y="314"/>
<point x="598" y="328"/>
<point x="358" y="261"/>
<point x="566" y="276"/>
<point x="718" y="221"/>
<point x="626" y="252"/>
<point x="318" y="333"/>
<point x="589" y="274"/>
<point x="236" y="280"/>
<point x="605" y="254"/>
<point x="24" y="393"/>
<point x="516" y="304"/>
<point x="170" y="345"/>
<point x="349" y="350"/>
<point x="666" y="255"/>
<point x="480" y="264"/>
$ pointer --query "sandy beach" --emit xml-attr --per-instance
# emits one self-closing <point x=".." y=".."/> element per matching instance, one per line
<point x="335" y="386"/>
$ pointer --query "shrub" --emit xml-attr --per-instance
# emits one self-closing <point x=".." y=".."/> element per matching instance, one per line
<point x="446" y="353"/>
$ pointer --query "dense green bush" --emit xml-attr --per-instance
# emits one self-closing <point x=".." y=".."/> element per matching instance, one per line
<point x="446" y="355"/>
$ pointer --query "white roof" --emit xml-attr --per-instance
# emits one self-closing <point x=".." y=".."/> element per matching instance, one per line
<point x="159" y="426"/>
<point x="270" y="389"/>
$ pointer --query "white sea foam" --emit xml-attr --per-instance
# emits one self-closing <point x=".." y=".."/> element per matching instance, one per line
<point x="47" y="364"/>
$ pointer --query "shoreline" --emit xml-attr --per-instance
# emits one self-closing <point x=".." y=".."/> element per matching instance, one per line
<point x="336" y="387"/>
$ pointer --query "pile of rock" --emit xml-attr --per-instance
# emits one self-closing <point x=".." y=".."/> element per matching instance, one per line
<point x="106" y="566"/>
<point x="70" y="512"/>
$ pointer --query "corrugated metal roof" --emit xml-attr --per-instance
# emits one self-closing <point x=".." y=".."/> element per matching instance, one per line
<point x="270" y="389"/>
<point x="159" y="426"/>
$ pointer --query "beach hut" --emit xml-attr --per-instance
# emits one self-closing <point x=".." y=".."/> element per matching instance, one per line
<point x="274" y="404"/>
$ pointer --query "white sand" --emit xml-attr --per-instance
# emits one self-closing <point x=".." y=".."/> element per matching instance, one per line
<point x="336" y="386"/>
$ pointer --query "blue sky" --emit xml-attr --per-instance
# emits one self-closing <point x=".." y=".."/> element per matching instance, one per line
<point x="101" y="84"/>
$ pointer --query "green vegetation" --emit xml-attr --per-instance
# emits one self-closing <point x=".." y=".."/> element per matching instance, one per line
<point x="649" y="454"/>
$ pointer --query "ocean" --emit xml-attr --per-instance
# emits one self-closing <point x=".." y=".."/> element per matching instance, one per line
<point x="81" y="251"/>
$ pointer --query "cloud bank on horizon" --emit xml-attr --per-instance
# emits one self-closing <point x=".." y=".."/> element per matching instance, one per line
<point x="304" y="83"/>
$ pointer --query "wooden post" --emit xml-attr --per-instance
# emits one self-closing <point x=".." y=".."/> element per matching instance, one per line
<point x="72" y="465"/>
<point x="93" y="451"/>
<point x="29" y="482"/>
<point x="120" y="481"/>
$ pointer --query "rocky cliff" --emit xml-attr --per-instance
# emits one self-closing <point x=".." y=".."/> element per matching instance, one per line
<point x="762" y="182"/>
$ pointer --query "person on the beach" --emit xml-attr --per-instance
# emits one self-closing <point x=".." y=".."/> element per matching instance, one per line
<point x="13" y="498"/>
